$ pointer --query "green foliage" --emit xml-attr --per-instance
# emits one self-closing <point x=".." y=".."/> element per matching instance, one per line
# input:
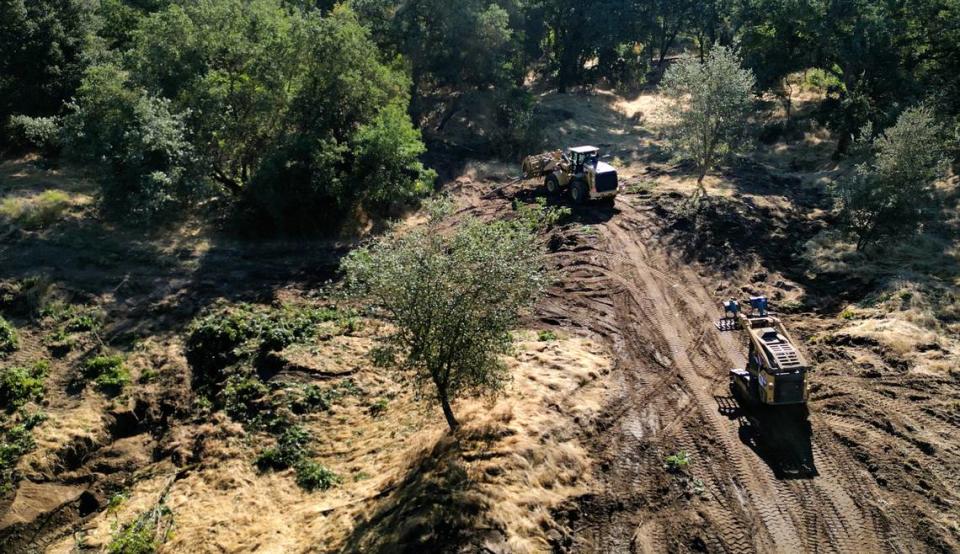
<point x="42" y="54"/>
<point x="9" y="338"/>
<point x="312" y="476"/>
<point x="133" y="539"/>
<point x="116" y="501"/>
<point x="38" y="212"/>
<point x="538" y="217"/>
<point x="708" y="105"/>
<point x="242" y="397"/>
<point x="821" y="80"/>
<point x="140" y="144"/>
<point x="546" y="336"/>
<point x="225" y="337"/>
<point x="453" y="298"/>
<point x="471" y="43"/>
<point x="312" y="397"/>
<point x="17" y="440"/>
<point x="143" y="535"/>
<point x="386" y="154"/>
<point x="69" y="320"/>
<point x="292" y="447"/>
<point x="19" y="385"/>
<point x="379" y="407"/>
<point x="108" y="373"/>
<point x="678" y="461"/>
<point x="42" y="133"/>
<point x="848" y="314"/>
<point x="891" y="195"/>
<point x="517" y="131"/>
<point x="349" y="141"/>
<point x="439" y="208"/>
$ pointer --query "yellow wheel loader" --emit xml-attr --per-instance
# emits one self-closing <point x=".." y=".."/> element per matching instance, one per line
<point x="579" y="171"/>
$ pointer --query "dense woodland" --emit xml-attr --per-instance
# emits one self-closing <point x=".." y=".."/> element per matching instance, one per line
<point x="290" y="109"/>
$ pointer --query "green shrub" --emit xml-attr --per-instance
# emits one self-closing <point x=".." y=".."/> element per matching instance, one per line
<point x="215" y="341"/>
<point x="291" y="448"/>
<point x="73" y="317"/>
<point x="539" y="217"/>
<point x="313" y="398"/>
<point x="379" y="407"/>
<point x="147" y="166"/>
<point x="243" y="397"/>
<point x="108" y="373"/>
<point x="821" y="79"/>
<point x="312" y="476"/>
<point x="9" y="338"/>
<point x="19" y="385"/>
<point x="133" y="539"/>
<point x="144" y="535"/>
<point x="891" y="196"/>
<point x="42" y="133"/>
<point x="69" y="319"/>
<point x="678" y="461"/>
<point x="17" y="440"/>
<point x="848" y="314"/>
<point x="60" y="342"/>
<point x="454" y="298"/>
<point x="223" y="338"/>
<point x="546" y="336"/>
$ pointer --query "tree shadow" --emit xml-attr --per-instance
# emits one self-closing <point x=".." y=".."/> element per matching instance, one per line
<point x="153" y="282"/>
<point x="434" y="508"/>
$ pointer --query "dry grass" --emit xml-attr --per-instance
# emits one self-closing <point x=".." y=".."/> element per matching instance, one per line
<point x="66" y="431"/>
<point x="34" y="198"/>
<point x="517" y="454"/>
<point x="538" y="462"/>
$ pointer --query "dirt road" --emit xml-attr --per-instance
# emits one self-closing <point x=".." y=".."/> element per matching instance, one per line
<point x="808" y="487"/>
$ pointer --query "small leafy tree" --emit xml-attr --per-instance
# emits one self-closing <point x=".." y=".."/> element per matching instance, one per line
<point x="893" y="193"/>
<point x="707" y="109"/>
<point x="453" y="297"/>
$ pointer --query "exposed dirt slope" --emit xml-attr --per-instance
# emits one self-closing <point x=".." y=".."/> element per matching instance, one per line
<point x="874" y="470"/>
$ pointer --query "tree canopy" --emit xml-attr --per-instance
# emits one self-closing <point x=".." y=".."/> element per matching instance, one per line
<point x="708" y="105"/>
<point x="454" y="298"/>
<point x="295" y="108"/>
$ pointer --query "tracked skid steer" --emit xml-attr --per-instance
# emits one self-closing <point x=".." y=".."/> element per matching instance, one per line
<point x="776" y="372"/>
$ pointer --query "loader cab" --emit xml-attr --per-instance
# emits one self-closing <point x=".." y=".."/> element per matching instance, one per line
<point x="583" y="156"/>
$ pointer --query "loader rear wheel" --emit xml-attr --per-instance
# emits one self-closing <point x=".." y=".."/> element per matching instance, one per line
<point x="552" y="184"/>
<point x="578" y="192"/>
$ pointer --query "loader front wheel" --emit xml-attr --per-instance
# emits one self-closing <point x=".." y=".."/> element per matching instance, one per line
<point x="552" y="184"/>
<point x="578" y="192"/>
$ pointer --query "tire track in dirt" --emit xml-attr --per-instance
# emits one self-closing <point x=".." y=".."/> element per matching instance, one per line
<point x="794" y="516"/>
<point x="759" y="487"/>
<point x="670" y="370"/>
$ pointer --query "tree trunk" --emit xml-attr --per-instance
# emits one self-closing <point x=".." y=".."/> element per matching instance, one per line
<point x="448" y="413"/>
